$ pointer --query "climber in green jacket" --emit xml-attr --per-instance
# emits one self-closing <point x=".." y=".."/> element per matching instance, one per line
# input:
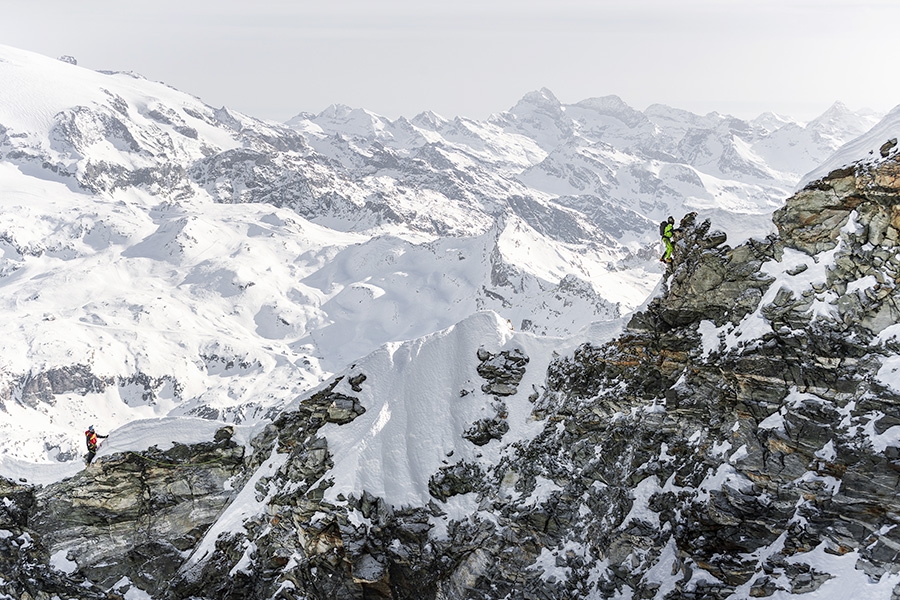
<point x="667" y="231"/>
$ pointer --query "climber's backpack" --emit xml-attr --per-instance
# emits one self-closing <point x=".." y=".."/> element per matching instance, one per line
<point x="662" y="228"/>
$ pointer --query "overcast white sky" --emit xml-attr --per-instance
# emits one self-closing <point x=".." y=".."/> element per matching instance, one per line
<point x="275" y="58"/>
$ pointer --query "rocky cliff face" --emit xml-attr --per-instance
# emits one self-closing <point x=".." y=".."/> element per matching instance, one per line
<point x="741" y="438"/>
<point x="740" y="435"/>
<point x="129" y="517"/>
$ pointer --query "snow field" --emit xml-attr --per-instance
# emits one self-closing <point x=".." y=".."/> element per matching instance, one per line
<point x="46" y="87"/>
<point x="420" y="397"/>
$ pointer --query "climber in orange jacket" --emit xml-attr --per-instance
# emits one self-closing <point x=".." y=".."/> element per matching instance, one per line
<point x="90" y="436"/>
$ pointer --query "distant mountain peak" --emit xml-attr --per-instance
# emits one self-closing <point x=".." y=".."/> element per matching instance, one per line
<point x="541" y="100"/>
<point x="429" y="120"/>
<point x="614" y="106"/>
<point x="771" y="121"/>
<point x="839" y="111"/>
<point x="540" y="97"/>
<point x="338" y="111"/>
<point x="610" y="102"/>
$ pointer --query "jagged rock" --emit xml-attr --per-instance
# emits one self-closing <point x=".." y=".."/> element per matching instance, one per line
<point x="152" y="506"/>
<point x="484" y="430"/>
<point x="656" y="363"/>
<point x="763" y="587"/>
<point x="18" y="500"/>
<point x="711" y="281"/>
<point x="502" y="371"/>
<point x="356" y="382"/>
<point x="453" y="480"/>
<point x="499" y="389"/>
<point x="224" y="434"/>
<point x="343" y="409"/>
<point x="27" y="574"/>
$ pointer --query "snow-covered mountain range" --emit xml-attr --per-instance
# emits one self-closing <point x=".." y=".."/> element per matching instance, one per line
<point x="413" y="329"/>
<point x="162" y="257"/>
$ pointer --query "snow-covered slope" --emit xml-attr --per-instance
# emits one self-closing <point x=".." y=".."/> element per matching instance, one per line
<point x="874" y="144"/>
<point x="421" y="397"/>
<point x="125" y="310"/>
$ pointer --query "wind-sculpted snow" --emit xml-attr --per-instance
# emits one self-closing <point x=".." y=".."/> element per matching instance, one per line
<point x="420" y="399"/>
<point x="223" y="311"/>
